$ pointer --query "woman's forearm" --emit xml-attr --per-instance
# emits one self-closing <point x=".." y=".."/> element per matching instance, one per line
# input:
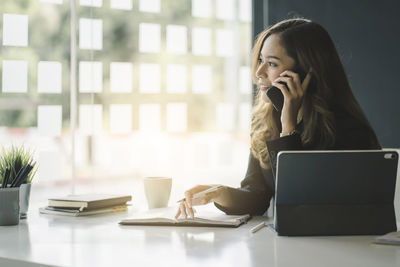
<point x="224" y="199"/>
<point x="243" y="201"/>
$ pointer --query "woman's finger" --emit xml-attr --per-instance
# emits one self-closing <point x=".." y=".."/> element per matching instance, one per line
<point x="283" y="89"/>
<point x="290" y="84"/>
<point x="295" y="76"/>
<point x="306" y="81"/>
<point x="183" y="210"/>
<point x="189" y="210"/>
<point x="178" y="212"/>
<point x="188" y="198"/>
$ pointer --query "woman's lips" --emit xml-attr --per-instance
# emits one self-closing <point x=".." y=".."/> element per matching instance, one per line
<point x="264" y="88"/>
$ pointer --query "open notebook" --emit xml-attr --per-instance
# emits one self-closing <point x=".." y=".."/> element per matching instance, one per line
<point x="165" y="217"/>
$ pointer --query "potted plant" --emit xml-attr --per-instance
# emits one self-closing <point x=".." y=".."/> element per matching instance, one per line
<point x="17" y="169"/>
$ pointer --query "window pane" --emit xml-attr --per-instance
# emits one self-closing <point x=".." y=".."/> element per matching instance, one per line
<point x="52" y="1"/>
<point x="201" y="8"/>
<point x="201" y="79"/>
<point x="49" y="77"/>
<point x="149" y="6"/>
<point x="149" y="117"/>
<point x="120" y="77"/>
<point x="90" y="77"/>
<point x="149" y="38"/>
<point x="90" y="119"/>
<point x="15" y="30"/>
<point x="91" y="34"/>
<point x="225" y="9"/>
<point x="95" y="3"/>
<point x="176" y="78"/>
<point x="176" y="117"/>
<point x="245" y="10"/>
<point x="201" y="41"/>
<point x="225" y="43"/>
<point x="15" y="76"/>
<point x="245" y="80"/>
<point x="49" y="120"/>
<point x="120" y="119"/>
<point x="121" y="4"/>
<point x="149" y="78"/>
<point x="176" y="39"/>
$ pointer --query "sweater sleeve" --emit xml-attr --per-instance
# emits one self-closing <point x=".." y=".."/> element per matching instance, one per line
<point x="254" y="194"/>
<point x="258" y="186"/>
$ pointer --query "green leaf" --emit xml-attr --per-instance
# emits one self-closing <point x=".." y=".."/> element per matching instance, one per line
<point x="14" y="159"/>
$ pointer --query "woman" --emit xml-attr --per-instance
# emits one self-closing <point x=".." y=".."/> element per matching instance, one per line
<point x="319" y="112"/>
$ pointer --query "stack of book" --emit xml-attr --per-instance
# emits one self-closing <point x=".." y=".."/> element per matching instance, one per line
<point x="87" y="204"/>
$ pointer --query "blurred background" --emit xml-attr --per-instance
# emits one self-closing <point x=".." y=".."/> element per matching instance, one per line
<point x="162" y="88"/>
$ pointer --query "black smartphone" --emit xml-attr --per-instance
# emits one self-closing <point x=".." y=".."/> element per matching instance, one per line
<point x="275" y="95"/>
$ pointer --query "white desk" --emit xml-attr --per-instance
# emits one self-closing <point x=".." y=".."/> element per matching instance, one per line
<point x="100" y="241"/>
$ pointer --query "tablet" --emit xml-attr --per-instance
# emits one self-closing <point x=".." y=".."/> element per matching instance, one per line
<point x="335" y="192"/>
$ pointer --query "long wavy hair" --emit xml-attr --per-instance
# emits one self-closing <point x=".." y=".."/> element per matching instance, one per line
<point x="310" y="45"/>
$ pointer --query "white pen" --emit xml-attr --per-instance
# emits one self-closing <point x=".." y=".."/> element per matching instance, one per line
<point x="203" y="193"/>
<point x="257" y="227"/>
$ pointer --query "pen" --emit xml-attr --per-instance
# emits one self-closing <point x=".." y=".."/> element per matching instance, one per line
<point x="203" y="193"/>
<point x="16" y="177"/>
<point x="26" y="173"/>
<point x="5" y="178"/>
<point x="19" y="176"/>
<point x="257" y="227"/>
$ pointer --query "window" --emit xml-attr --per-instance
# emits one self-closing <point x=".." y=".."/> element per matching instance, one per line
<point x="160" y="84"/>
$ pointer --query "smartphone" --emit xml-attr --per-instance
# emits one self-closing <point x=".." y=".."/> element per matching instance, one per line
<point x="275" y="94"/>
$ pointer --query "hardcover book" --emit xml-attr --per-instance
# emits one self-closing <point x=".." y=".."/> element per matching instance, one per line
<point x="89" y="201"/>
<point x="77" y="212"/>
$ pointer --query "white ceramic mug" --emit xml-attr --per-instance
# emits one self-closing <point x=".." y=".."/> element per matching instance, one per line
<point x="157" y="190"/>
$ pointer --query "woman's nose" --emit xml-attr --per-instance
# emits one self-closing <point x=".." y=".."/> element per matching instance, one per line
<point x="260" y="73"/>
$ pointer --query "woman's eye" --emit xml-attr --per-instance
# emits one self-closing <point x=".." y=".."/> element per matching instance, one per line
<point x="260" y="60"/>
<point x="272" y="64"/>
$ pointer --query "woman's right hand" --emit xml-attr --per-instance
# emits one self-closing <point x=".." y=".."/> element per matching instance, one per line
<point x="293" y="91"/>
<point x="186" y="205"/>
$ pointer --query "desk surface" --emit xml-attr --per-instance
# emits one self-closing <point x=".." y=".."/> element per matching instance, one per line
<point x="101" y="241"/>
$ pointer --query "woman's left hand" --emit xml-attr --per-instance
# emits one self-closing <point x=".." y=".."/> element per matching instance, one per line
<point x="293" y="98"/>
